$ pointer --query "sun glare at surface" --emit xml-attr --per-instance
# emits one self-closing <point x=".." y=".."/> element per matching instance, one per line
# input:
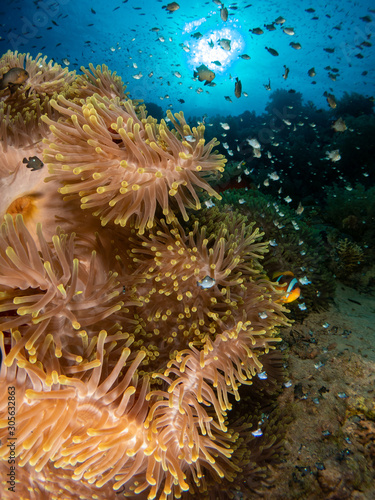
<point x="217" y="47"/>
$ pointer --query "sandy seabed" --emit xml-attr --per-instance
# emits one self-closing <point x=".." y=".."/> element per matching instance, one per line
<point x="330" y="394"/>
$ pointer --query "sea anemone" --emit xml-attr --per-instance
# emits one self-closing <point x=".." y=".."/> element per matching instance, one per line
<point x="123" y="165"/>
<point x="45" y="78"/>
<point x="22" y="107"/>
<point x="76" y="419"/>
<point x="48" y="484"/>
<point x="20" y="121"/>
<point x="95" y="427"/>
<point x="126" y="345"/>
<point x="293" y="246"/>
<point x="50" y="294"/>
<point x="25" y="192"/>
<point x="196" y="284"/>
<point x="99" y="80"/>
<point x="62" y="361"/>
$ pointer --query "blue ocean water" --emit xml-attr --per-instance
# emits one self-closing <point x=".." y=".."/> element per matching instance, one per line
<point x="156" y="51"/>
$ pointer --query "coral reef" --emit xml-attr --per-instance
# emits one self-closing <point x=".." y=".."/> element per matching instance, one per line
<point x="348" y="218"/>
<point x="281" y="99"/>
<point x="354" y="104"/>
<point x="349" y="257"/>
<point x="294" y="141"/>
<point x="294" y="246"/>
<point x="352" y="212"/>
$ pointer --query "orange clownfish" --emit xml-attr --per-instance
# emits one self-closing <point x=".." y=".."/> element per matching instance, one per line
<point x="288" y="283"/>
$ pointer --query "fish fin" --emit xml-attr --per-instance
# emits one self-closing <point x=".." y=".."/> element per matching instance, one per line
<point x="12" y="87"/>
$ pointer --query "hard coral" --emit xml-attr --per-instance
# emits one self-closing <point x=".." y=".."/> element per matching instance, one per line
<point x="349" y="258"/>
